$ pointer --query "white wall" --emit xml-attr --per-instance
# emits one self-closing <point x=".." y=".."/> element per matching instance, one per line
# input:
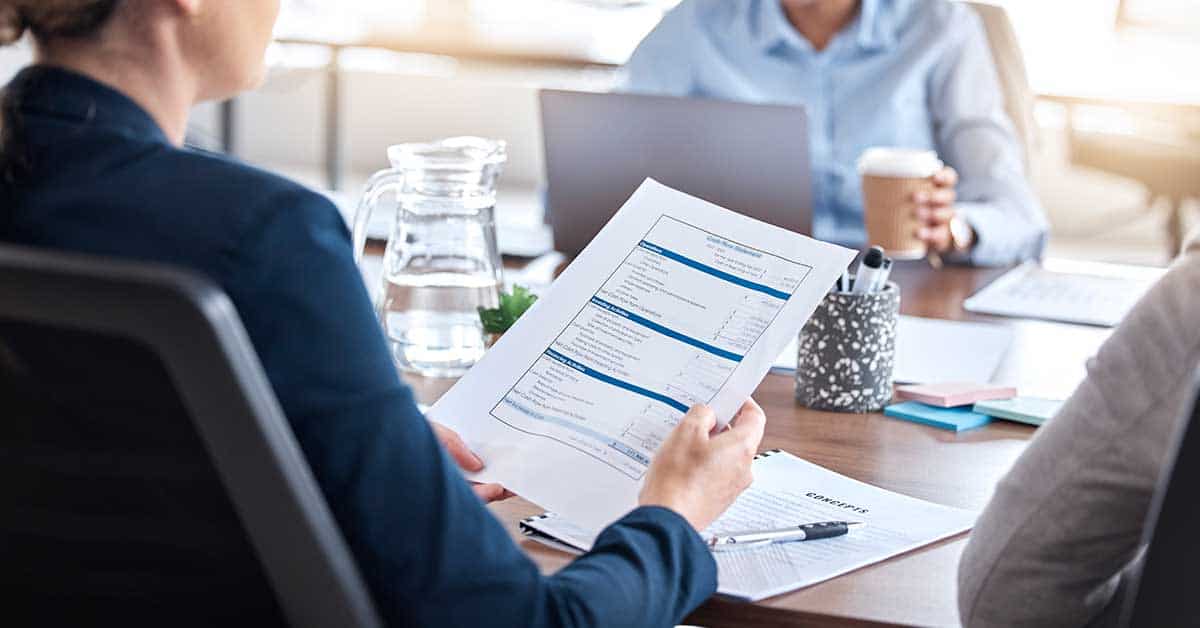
<point x="281" y="125"/>
<point x="388" y="109"/>
<point x="417" y="99"/>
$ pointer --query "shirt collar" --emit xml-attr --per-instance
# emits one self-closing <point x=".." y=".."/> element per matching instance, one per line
<point x="873" y="29"/>
<point x="61" y="93"/>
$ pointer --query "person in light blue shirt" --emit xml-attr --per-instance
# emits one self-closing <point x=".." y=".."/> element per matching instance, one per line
<point x="905" y="73"/>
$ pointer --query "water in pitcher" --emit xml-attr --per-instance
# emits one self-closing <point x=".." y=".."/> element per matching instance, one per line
<point x="432" y="293"/>
<point x="432" y="322"/>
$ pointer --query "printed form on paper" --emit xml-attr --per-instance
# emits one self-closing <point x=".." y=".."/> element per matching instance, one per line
<point x="676" y="302"/>
<point x="788" y="491"/>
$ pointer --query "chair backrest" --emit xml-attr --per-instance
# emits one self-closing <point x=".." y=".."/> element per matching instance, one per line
<point x="147" y="473"/>
<point x="1165" y="593"/>
<point x="1014" y="78"/>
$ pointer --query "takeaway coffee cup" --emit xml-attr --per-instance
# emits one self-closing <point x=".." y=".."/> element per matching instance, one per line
<point x="890" y="177"/>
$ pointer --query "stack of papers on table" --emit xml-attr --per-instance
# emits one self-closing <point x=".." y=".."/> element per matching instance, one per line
<point x="788" y="491"/>
<point x="932" y="350"/>
<point x="1090" y="294"/>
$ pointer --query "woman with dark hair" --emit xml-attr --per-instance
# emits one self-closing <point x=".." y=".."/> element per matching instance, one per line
<point x="92" y="161"/>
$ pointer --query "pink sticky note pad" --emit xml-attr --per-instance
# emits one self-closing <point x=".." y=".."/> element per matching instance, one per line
<point x="954" y="394"/>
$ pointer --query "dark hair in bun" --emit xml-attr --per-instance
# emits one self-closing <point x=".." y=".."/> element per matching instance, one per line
<point x="52" y="19"/>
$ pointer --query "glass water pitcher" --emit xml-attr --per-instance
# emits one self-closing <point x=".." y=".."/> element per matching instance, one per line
<point x="442" y="262"/>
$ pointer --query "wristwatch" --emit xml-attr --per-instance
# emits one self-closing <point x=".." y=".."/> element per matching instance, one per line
<point x="962" y="235"/>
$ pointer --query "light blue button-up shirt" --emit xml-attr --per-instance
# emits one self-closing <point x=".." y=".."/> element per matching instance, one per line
<point x="909" y="73"/>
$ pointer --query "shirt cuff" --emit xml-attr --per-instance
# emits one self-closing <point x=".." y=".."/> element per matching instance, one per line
<point x="1001" y="239"/>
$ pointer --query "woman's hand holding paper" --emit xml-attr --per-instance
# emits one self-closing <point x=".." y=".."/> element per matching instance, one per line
<point x="698" y="473"/>
<point x="468" y="461"/>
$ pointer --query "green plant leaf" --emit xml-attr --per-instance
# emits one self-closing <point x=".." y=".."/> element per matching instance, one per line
<point x="512" y="306"/>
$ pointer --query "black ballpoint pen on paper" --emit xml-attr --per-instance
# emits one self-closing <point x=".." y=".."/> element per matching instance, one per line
<point x="760" y="538"/>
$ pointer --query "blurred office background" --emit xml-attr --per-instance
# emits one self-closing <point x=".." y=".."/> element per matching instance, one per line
<point x="1111" y="87"/>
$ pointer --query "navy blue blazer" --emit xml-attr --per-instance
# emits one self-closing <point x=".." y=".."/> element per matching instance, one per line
<point x="105" y="180"/>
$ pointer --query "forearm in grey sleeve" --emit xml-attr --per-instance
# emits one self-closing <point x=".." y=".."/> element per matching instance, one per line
<point x="1049" y="548"/>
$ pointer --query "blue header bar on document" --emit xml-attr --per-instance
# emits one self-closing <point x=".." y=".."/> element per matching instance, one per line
<point x="650" y="394"/>
<point x="670" y="333"/>
<point x="704" y="268"/>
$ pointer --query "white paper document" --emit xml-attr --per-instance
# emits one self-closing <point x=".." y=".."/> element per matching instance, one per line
<point x="930" y="351"/>
<point x="675" y="302"/>
<point x="788" y="491"/>
<point x="1086" y="293"/>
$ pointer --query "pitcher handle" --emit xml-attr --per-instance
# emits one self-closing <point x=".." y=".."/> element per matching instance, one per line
<point x="379" y="184"/>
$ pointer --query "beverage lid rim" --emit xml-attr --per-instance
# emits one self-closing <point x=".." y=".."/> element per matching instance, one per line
<point x="886" y="161"/>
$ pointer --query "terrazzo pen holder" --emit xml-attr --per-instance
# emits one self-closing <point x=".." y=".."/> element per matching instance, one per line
<point x="847" y="352"/>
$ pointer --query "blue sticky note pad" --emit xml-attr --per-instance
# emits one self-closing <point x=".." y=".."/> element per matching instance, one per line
<point x="953" y="419"/>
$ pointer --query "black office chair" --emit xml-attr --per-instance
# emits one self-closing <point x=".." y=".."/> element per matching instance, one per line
<point x="1165" y="592"/>
<point x="147" y="473"/>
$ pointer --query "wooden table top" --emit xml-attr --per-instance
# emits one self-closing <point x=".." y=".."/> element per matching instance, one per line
<point x="918" y="588"/>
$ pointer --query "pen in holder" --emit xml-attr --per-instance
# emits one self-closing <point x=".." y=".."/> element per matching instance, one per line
<point x="848" y="352"/>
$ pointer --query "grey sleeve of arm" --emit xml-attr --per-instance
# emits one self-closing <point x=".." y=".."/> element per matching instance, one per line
<point x="1050" y="547"/>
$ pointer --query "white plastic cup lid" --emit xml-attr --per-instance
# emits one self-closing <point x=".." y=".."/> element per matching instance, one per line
<point x="899" y="162"/>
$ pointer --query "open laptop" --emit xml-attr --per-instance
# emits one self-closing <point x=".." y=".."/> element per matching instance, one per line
<point x="599" y="147"/>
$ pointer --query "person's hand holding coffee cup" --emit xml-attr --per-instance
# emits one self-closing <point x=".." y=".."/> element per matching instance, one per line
<point x="908" y="203"/>
<point x="939" y="224"/>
